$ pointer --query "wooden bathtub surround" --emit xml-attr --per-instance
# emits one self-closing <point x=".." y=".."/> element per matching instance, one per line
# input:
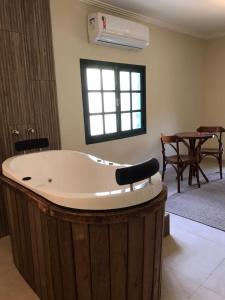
<point x="28" y="97"/>
<point x="3" y="219"/>
<point x="83" y="255"/>
<point x="166" y="230"/>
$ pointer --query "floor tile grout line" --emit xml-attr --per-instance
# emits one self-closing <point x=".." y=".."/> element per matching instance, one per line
<point x="215" y="292"/>
<point x="213" y="271"/>
<point x="198" y="288"/>
<point x="198" y="235"/>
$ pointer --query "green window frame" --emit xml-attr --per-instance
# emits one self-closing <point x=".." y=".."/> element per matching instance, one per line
<point x="114" y="100"/>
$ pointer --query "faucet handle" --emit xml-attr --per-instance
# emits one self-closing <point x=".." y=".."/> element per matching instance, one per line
<point x="30" y="130"/>
<point x="15" y="132"/>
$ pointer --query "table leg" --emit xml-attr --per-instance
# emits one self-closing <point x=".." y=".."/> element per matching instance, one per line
<point x="191" y="153"/>
<point x="190" y="175"/>
<point x="197" y="174"/>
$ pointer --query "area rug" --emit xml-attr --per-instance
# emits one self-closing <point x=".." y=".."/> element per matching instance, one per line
<point x="205" y="205"/>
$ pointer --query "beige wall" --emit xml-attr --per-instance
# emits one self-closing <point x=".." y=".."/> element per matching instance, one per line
<point x="213" y="112"/>
<point x="214" y="98"/>
<point x="175" y="66"/>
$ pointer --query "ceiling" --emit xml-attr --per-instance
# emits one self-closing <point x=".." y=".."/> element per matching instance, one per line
<point x="202" y="18"/>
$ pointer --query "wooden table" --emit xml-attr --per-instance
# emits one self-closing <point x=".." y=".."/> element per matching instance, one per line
<point x="193" y="141"/>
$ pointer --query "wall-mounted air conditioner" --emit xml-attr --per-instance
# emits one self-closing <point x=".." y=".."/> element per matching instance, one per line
<point x="117" y="32"/>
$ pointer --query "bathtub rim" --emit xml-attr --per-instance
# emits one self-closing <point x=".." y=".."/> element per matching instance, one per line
<point x="87" y="216"/>
<point x="111" y="199"/>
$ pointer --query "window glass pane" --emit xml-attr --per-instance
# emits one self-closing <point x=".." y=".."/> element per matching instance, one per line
<point x="96" y="124"/>
<point x="110" y="123"/>
<point x="124" y="81"/>
<point x="124" y="101"/>
<point x="136" y="101"/>
<point x="95" y="102"/>
<point x="125" y="121"/>
<point x="136" y="119"/>
<point x="136" y="81"/>
<point x="109" y="102"/>
<point x="93" y="79"/>
<point x="108" y="78"/>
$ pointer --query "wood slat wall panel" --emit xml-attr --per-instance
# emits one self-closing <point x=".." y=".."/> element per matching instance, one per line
<point x="100" y="262"/>
<point x="11" y="15"/>
<point x="118" y="261"/>
<point x="14" y="88"/>
<point x="39" y="40"/>
<point x="44" y="99"/>
<point x="15" y="101"/>
<point x="27" y="78"/>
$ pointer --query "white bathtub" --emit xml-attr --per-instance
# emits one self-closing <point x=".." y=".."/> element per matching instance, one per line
<point x="77" y="180"/>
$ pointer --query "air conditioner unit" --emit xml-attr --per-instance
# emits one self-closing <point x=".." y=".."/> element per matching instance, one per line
<point x="117" y="32"/>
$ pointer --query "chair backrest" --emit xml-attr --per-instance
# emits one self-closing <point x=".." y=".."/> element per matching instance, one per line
<point x="216" y="130"/>
<point x="170" y="140"/>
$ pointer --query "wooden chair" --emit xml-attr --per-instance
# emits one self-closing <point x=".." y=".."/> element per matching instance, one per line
<point x="216" y="152"/>
<point x="178" y="161"/>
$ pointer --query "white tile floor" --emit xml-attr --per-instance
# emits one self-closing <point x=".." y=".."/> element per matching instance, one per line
<point x="193" y="265"/>
<point x="193" y="262"/>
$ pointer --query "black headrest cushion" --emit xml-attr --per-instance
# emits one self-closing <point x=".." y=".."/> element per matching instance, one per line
<point x="31" y="144"/>
<point x="129" y="175"/>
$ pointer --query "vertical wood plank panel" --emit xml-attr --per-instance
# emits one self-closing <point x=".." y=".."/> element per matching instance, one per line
<point x="23" y="203"/>
<point x="4" y="230"/>
<point x="100" y="265"/>
<point x="19" y="203"/>
<point x="63" y="260"/>
<point x="47" y="258"/>
<point x="82" y="260"/>
<point x="39" y="40"/>
<point x="43" y="94"/>
<point x="55" y="259"/>
<point x="34" y="244"/>
<point x="158" y="253"/>
<point x="135" y="258"/>
<point x="9" y="196"/>
<point x="11" y="15"/>
<point x="149" y="256"/>
<point x="14" y="95"/>
<point x="26" y="56"/>
<point x="15" y="216"/>
<point x="40" y="253"/>
<point x="15" y="102"/>
<point x="118" y="261"/>
<point x="67" y="260"/>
